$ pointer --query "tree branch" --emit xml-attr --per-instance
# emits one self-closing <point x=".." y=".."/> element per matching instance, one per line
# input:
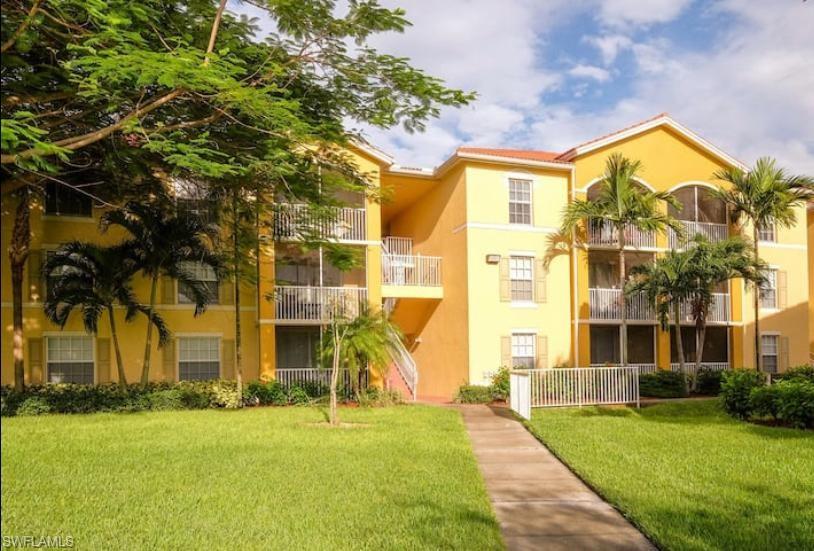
<point x="23" y="26"/>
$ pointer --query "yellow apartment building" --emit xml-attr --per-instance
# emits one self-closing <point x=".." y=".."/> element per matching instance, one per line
<point x="466" y="258"/>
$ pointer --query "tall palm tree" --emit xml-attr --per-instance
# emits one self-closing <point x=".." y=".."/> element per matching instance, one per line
<point x="164" y="240"/>
<point x="622" y="203"/>
<point x="763" y="195"/>
<point x="355" y="343"/>
<point x="94" y="279"/>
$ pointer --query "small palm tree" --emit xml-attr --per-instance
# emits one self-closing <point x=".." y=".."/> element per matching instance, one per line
<point x="763" y="195"/>
<point x="94" y="279"/>
<point x="621" y="203"/>
<point x="163" y="241"/>
<point x="355" y="343"/>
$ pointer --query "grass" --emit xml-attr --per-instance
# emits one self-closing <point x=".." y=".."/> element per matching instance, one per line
<point x="265" y="478"/>
<point x="689" y="476"/>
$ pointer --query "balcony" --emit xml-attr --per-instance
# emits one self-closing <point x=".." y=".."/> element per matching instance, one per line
<point x="718" y="310"/>
<point x="405" y="274"/>
<point x="317" y="305"/>
<point x="603" y="234"/>
<point x="606" y="304"/>
<point x="713" y="232"/>
<point x="342" y="224"/>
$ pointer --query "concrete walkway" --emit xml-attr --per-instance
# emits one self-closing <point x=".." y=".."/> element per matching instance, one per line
<point x="538" y="501"/>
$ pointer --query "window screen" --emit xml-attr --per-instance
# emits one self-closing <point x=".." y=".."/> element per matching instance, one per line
<point x="519" y="201"/>
<point x="204" y="274"/>
<point x="522" y="278"/>
<point x="523" y="350"/>
<point x="70" y="360"/>
<point x="198" y="358"/>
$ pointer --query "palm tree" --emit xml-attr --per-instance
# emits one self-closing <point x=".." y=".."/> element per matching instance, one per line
<point x="164" y="240"/>
<point x="763" y="195"/>
<point x="94" y="279"/>
<point x="622" y="203"/>
<point x="355" y="343"/>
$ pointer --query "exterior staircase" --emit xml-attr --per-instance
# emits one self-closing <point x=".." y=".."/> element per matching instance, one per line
<point x="405" y="375"/>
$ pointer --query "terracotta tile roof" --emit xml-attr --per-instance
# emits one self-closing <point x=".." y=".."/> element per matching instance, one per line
<point x="614" y="133"/>
<point x="527" y="154"/>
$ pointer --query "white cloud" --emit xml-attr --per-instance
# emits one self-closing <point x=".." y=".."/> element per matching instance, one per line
<point x="621" y="13"/>
<point x="590" y="71"/>
<point x="609" y="45"/>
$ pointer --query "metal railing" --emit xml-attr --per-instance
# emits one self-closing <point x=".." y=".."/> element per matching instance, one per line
<point x="397" y="245"/>
<point x="604" y="234"/>
<point x="575" y="386"/>
<point x="642" y="367"/>
<point x="293" y="221"/>
<point x="606" y="304"/>
<point x="718" y="310"/>
<point x="711" y="366"/>
<point x="318" y="378"/>
<point x="713" y="232"/>
<point x="402" y="269"/>
<point x="404" y="362"/>
<point x="318" y="304"/>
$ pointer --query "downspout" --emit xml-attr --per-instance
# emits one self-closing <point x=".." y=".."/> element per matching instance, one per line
<point x="574" y="273"/>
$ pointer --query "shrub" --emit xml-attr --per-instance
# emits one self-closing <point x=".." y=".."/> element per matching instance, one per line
<point x="795" y="403"/>
<point x="500" y="384"/>
<point x="34" y="405"/>
<point x="799" y="373"/>
<point x="297" y="396"/>
<point x="736" y="390"/>
<point x="376" y="397"/>
<point x="763" y="401"/>
<point x="165" y="400"/>
<point x="474" y="394"/>
<point x="663" y="384"/>
<point x="224" y="395"/>
<point x="708" y="382"/>
<point x="266" y="393"/>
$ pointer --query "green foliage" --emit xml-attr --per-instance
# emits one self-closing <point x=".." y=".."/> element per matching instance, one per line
<point x="663" y="384"/>
<point x="736" y="390"/>
<point x="270" y="393"/>
<point x="763" y="401"/>
<point x="377" y="397"/>
<point x="35" y="405"/>
<point x="474" y="394"/>
<point x="297" y="396"/>
<point x="501" y="384"/>
<point x="795" y="403"/>
<point x="166" y="400"/>
<point x="797" y="373"/>
<point x="708" y="382"/>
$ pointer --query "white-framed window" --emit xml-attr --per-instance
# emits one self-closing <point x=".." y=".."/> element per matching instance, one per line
<point x="204" y="274"/>
<point x="198" y="358"/>
<point x="521" y="275"/>
<point x="768" y="290"/>
<point x="767" y="232"/>
<point x="523" y="353"/>
<point x="769" y="352"/>
<point x="519" y="201"/>
<point x="69" y="359"/>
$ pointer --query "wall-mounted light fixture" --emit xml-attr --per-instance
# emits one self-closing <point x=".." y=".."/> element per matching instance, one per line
<point x="493" y="259"/>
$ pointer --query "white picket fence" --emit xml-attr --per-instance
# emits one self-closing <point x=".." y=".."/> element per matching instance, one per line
<point x="583" y="386"/>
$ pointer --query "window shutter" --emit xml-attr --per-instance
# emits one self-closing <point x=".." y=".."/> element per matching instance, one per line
<point x="167" y="290"/>
<point x="784" y="354"/>
<point x="782" y="289"/>
<point x="539" y="280"/>
<point x="36" y="287"/>
<point x="505" y="281"/>
<point x="35" y="373"/>
<point x="226" y="292"/>
<point x="168" y="360"/>
<point x="103" y="360"/>
<point x="227" y="364"/>
<point x="542" y="352"/>
<point x="506" y="352"/>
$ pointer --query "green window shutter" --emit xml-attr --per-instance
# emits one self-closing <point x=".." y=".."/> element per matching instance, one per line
<point x="542" y="352"/>
<point x="226" y="292"/>
<point x="506" y="351"/>
<point x="35" y="352"/>
<point x="782" y="289"/>
<point x="102" y="360"/>
<point x="784" y="354"/>
<point x="168" y="295"/>
<point x="168" y="360"/>
<point x="227" y="363"/>
<point x="539" y="280"/>
<point x="505" y="281"/>
<point x="36" y="286"/>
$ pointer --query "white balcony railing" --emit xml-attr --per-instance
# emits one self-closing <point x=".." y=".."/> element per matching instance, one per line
<point x="318" y="304"/>
<point x="314" y="378"/>
<point x="604" y="234"/>
<point x="711" y="366"/>
<point x="713" y="232"/>
<point x="397" y="245"/>
<point x="718" y="310"/>
<point x="606" y="304"/>
<point x="643" y="368"/>
<point x="413" y="270"/>
<point x="294" y="221"/>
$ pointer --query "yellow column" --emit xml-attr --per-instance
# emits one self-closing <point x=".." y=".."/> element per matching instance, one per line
<point x="267" y="352"/>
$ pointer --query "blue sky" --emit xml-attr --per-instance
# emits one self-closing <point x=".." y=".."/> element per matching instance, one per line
<point x="553" y="73"/>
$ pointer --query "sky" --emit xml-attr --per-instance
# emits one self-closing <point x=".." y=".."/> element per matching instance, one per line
<point x="551" y="74"/>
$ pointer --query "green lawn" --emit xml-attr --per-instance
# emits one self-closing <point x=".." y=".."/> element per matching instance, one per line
<point x="690" y="477"/>
<point x="254" y="479"/>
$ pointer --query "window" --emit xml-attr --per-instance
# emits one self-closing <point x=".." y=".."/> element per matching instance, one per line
<point x="61" y="200"/>
<point x="297" y="347"/>
<point x="768" y="290"/>
<point x="698" y="204"/>
<point x="70" y="360"/>
<point x="641" y="344"/>
<point x="204" y="274"/>
<point x="522" y="278"/>
<point x="766" y="232"/>
<point x="605" y="341"/>
<point x="519" y="201"/>
<point x="198" y="358"/>
<point x="769" y="353"/>
<point x="523" y="350"/>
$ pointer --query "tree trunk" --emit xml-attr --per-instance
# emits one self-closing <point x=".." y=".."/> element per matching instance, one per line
<point x="238" y="328"/>
<point x="700" y="337"/>
<point x="682" y="366"/>
<point x="148" y="347"/>
<point x="115" y="336"/>
<point x="18" y="255"/>
<point x="335" y="374"/>
<point x="757" y="305"/>
<point x="620" y="230"/>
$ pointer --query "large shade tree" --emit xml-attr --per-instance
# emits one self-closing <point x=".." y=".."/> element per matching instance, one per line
<point x="621" y="203"/>
<point x="765" y="195"/>
<point x="200" y="93"/>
